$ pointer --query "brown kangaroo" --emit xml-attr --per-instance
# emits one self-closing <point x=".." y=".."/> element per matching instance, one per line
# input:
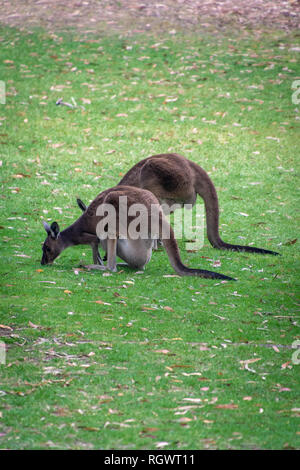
<point x="91" y="228"/>
<point x="173" y="179"/>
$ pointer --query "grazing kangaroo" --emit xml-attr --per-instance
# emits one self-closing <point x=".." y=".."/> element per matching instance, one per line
<point x="116" y="237"/>
<point x="173" y="179"/>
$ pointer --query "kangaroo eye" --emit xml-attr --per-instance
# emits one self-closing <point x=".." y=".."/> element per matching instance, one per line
<point x="48" y="249"/>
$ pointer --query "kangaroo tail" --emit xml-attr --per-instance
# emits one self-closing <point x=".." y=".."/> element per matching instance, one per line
<point x="171" y="246"/>
<point x="206" y="189"/>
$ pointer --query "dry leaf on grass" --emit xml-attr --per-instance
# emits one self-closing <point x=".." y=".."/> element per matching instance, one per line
<point x="5" y="327"/>
<point x="169" y="309"/>
<point x="162" y="351"/>
<point x="101" y="302"/>
<point x="161" y="445"/>
<point x="227" y="406"/>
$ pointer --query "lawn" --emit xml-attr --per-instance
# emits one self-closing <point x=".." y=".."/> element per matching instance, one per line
<point x="149" y="360"/>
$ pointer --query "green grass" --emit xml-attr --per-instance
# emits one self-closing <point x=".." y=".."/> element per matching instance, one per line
<point x="131" y="374"/>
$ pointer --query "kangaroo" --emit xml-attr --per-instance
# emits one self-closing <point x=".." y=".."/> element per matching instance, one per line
<point x="116" y="236"/>
<point x="174" y="179"/>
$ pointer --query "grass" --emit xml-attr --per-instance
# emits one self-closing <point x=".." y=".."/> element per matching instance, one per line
<point x="163" y="362"/>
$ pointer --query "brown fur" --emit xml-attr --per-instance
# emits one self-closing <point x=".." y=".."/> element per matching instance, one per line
<point x="136" y="253"/>
<point x="175" y="179"/>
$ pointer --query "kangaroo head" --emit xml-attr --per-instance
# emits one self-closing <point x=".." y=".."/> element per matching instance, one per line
<point x="52" y="246"/>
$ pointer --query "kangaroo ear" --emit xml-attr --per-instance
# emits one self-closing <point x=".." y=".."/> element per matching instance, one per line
<point x="54" y="230"/>
<point x="47" y="227"/>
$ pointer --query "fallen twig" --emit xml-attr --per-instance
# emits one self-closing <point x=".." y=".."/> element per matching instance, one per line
<point x="69" y="105"/>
